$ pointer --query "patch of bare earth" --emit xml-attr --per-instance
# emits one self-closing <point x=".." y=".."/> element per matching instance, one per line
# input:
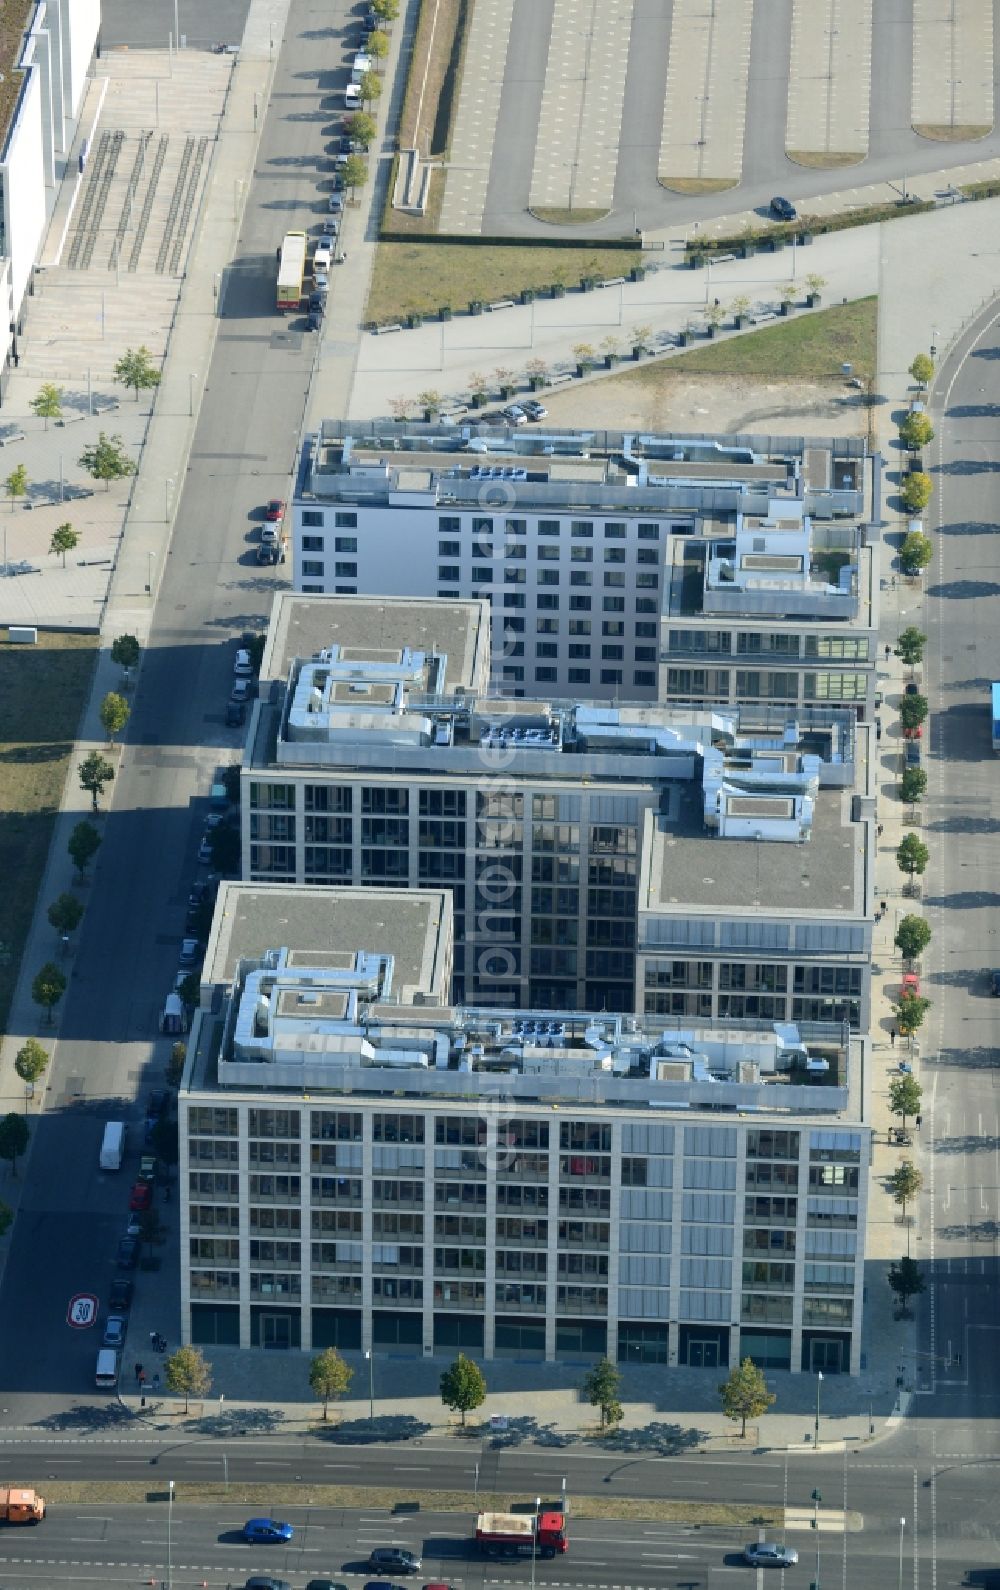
<point x="711" y="403"/>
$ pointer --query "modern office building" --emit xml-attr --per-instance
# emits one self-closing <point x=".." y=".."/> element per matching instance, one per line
<point x="589" y="546"/>
<point x="720" y="853"/>
<point x="364" y="1165"/>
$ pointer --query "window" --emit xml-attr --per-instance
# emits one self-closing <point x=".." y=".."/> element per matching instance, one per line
<point x="612" y="627"/>
<point x="614" y="578"/>
<point x="547" y="576"/>
<point x="644" y="630"/>
<point x="547" y="554"/>
<point x="647" y="555"/>
<point x="579" y="604"/>
<point x="312" y="517"/>
<point x="513" y="599"/>
<point x="345" y="590"/>
<point x="515" y="576"/>
<point x="645" y="654"/>
<point x="345" y="571"/>
<point x="346" y="521"/>
<point x="583" y="554"/>
<point x="448" y="526"/>
<point x="547" y="626"/>
<point x="648" y="582"/>
<point x="548" y="527"/>
<point x="645" y="604"/>
<point x="581" y="577"/>
<point x="482" y="527"/>
<point x="546" y="648"/>
<point x="645" y="678"/>
<point x="579" y="626"/>
<point x="514" y="675"/>
<point x="348" y="544"/>
<point x="579" y="650"/>
<point x="513" y="626"/>
<point x="312" y="543"/>
<point x="614" y="532"/>
<point x="581" y="528"/>
<point x="612" y="653"/>
<point x="579" y="676"/>
<point x="614" y="604"/>
<point x="479" y="573"/>
<point x="446" y="549"/>
<point x="310" y="566"/>
<point x="611" y="676"/>
<point x="615" y="554"/>
<point x="547" y="602"/>
<point x="546" y="676"/>
<point x="448" y="572"/>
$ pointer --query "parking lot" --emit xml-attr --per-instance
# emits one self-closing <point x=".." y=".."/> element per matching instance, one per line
<point x="606" y="115"/>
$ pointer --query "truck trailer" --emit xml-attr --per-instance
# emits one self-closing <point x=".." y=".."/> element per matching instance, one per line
<point x="21" y="1506"/>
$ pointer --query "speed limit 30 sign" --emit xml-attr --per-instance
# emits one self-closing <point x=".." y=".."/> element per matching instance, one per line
<point x="82" y="1311"/>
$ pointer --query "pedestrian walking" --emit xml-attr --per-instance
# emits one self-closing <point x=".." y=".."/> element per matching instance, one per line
<point x="156" y="1382"/>
<point x="888" y="653"/>
<point x="919" y="1120"/>
<point x="879" y="830"/>
<point x="892" y="1036"/>
<point x="138" y="1371"/>
<point x="884" y="906"/>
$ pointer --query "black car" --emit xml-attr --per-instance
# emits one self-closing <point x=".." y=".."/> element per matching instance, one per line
<point x="913" y="753"/>
<point x="120" y="1296"/>
<point x="317" y="303"/>
<point x="315" y="321"/>
<point x="995" y="984"/>
<point x="128" y="1254"/>
<point x="263" y="1581"/>
<point x="325" y="1584"/>
<point x="395" y="1559"/>
<point x="783" y="209"/>
<point x="236" y="714"/>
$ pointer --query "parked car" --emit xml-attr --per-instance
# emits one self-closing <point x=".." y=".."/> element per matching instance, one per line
<point x="115" y="1327"/>
<point x="325" y="1584"/>
<point x="396" y="1559"/>
<point x="911" y="688"/>
<point x="913" y="753"/>
<point x="783" y="209"/>
<point x="995" y="984"/>
<point x="205" y="850"/>
<point x="314" y="322"/>
<point x="120" y="1296"/>
<point x="236" y="711"/>
<point x="515" y="414"/>
<point x="127" y="1254"/>
<point x="263" y="1581"/>
<point x="275" y="510"/>
<point x="321" y="258"/>
<point x="266" y="1531"/>
<point x="910" y="984"/>
<point x="317" y="303"/>
<point x="534" y="409"/>
<point x="242" y="666"/>
<point x="190" y="953"/>
<point x="762" y="1554"/>
<point x="916" y="733"/>
<point x="241" y="691"/>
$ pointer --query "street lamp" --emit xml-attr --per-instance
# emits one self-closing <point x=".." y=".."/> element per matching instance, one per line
<point x="170" y="1516"/>
<point x="819" y="1382"/>
<point x="371" y="1384"/>
<point x="902" y="1526"/>
<point x="534" y="1538"/>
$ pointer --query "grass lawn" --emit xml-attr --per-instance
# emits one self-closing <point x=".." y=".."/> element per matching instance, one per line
<point x="43" y="689"/>
<point x="420" y="278"/>
<point x="811" y="346"/>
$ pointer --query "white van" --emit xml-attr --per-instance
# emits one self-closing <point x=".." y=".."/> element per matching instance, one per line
<point x="106" y="1374"/>
<point x="113" y="1146"/>
<point x="352" y="97"/>
<point x="173" y="1019"/>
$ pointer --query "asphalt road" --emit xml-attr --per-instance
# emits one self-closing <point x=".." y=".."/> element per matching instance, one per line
<point x="71" y="1215"/>
<point x="116" y="1545"/>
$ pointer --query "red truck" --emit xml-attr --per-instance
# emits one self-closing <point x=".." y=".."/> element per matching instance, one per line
<point x="519" y="1534"/>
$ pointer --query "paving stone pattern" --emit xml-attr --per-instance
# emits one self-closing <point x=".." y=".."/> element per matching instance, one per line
<point x="829" y="85"/>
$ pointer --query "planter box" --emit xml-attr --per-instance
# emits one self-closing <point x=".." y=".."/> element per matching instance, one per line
<point x="786" y="309"/>
<point x="805" y="238"/>
<point x="476" y="307"/>
<point x="507" y="391"/>
<point x="695" y="261"/>
<point x="536" y="383"/>
<point x="582" y="370"/>
<point x="413" y="321"/>
<point x="478" y="400"/>
<point x="527" y="295"/>
<point x="588" y="283"/>
<point x="557" y="290"/>
<point x="444" y="313"/>
<point x="813" y="300"/>
<point x="637" y="353"/>
<point x="738" y="322"/>
<point x="637" y="273"/>
<point x="683" y="337"/>
<point x="711" y="331"/>
<point x="610" y="360"/>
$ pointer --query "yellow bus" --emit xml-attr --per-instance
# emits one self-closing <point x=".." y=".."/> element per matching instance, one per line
<point x="291" y="269"/>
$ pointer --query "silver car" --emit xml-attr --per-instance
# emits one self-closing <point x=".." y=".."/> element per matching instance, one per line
<point x="767" y="1554"/>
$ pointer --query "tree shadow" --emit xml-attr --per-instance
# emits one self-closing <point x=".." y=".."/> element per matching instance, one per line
<point x="986" y="353"/>
<point x="967" y="527"/>
<point x="242" y="1421"/>
<point x="85" y="1416"/>
<point x="365" y="1432"/>
<point x="520" y="1430"/>
<point x="663" y="1439"/>
<point x="965" y="466"/>
<point x="964" y="590"/>
<point x="967" y="1143"/>
<point x="965" y="900"/>
<point x="972" y="411"/>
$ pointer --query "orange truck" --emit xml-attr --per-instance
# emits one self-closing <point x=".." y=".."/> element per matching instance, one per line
<point x="20" y="1506"/>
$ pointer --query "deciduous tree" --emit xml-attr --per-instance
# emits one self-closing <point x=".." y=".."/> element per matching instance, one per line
<point x="916" y="551"/>
<point x="187" y="1374"/>
<point x="912" y="855"/>
<point x="64" y="539"/>
<point x="48" y="988"/>
<point x="16" y="484"/>
<point x="115" y="713"/>
<point x="745" y="1394"/>
<point x="107" y="459"/>
<point x="910" y="646"/>
<point x="13" y="1139"/>
<point x="355" y="171"/>
<point x="125" y="651"/>
<point x="912" y="785"/>
<point x="329" y="1376"/>
<point x="47" y="403"/>
<point x="916" y="431"/>
<point x="916" y="491"/>
<point x="30" y="1061"/>
<point x="65" y="912"/>
<point x="905" y="1183"/>
<point x="83" y="845"/>
<point x="913" y="935"/>
<point x="910" y="1011"/>
<point x="906" y="1281"/>
<point x="95" y="772"/>
<point x="136" y="369"/>
<point x="463" y="1386"/>
<point x="905" y="1094"/>
<point x="601" y="1387"/>
<point x="922" y="369"/>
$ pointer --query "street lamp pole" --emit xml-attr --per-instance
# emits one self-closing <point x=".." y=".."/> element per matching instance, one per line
<point x="534" y="1538"/>
<point x="170" y="1517"/>
<point x="371" y="1384"/>
<point x="819" y="1382"/>
<point x="902" y="1526"/>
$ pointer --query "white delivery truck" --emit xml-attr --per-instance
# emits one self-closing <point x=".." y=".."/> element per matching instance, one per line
<point x="113" y="1146"/>
<point x="106" y="1372"/>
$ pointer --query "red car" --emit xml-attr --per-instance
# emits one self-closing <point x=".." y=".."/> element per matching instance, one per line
<point x="274" y="511"/>
<point x="141" y="1196"/>
<point x="911" y="983"/>
<point x="916" y="733"/>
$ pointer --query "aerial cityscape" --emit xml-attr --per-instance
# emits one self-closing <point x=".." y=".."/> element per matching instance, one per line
<point x="499" y="966"/>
